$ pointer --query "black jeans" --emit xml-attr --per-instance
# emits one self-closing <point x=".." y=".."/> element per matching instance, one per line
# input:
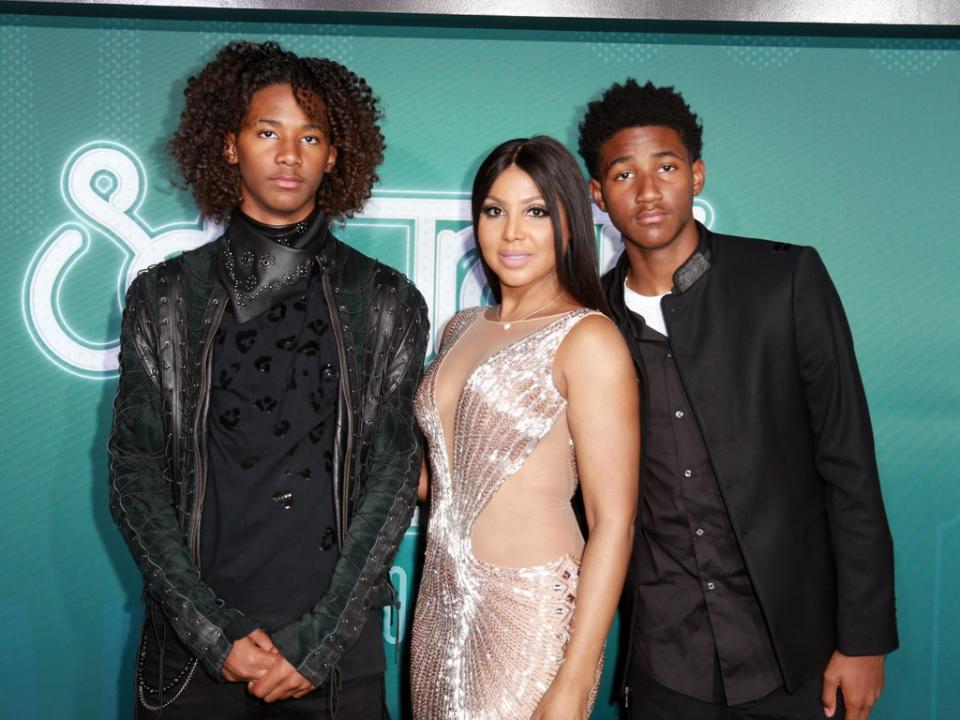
<point x="649" y="700"/>
<point x="170" y="684"/>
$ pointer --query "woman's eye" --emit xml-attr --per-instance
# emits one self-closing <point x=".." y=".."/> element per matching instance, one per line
<point x="539" y="212"/>
<point x="311" y="139"/>
<point x="492" y="211"/>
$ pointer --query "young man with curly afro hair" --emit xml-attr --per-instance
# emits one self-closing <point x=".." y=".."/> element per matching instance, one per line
<point x="761" y="584"/>
<point x="264" y="455"/>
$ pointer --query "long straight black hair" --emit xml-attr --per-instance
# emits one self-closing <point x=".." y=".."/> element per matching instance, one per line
<point x="556" y="173"/>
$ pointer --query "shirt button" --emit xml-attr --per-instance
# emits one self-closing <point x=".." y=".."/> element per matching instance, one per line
<point x="669" y="355"/>
<point x="688" y="473"/>
<point x="699" y="532"/>
<point x="711" y="586"/>
<point x="679" y="413"/>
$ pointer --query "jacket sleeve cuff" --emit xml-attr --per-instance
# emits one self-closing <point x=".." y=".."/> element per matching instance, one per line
<point x="239" y="627"/>
<point x="315" y="665"/>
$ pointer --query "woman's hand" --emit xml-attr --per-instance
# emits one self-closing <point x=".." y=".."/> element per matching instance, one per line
<point x="563" y="701"/>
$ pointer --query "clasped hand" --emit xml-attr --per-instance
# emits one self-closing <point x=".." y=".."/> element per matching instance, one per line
<point x="256" y="661"/>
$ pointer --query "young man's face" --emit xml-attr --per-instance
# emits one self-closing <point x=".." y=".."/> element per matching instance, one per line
<point x="647" y="185"/>
<point x="282" y="154"/>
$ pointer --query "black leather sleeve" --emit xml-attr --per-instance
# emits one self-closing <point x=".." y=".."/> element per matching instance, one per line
<point x="141" y="497"/>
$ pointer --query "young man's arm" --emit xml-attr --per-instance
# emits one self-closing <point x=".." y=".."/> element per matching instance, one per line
<point x="845" y="459"/>
<point x="141" y="499"/>
<point x="315" y="644"/>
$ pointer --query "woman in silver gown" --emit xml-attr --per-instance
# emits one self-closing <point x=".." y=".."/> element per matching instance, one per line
<point x="524" y="401"/>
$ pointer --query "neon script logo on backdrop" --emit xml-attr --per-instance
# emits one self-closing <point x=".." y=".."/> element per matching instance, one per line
<point x="104" y="184"/>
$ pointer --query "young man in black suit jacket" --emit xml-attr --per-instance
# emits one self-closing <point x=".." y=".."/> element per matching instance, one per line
<point x="762" y="574"/>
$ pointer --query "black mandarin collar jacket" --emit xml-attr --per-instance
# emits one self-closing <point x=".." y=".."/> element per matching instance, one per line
<point x="766" y="358"/>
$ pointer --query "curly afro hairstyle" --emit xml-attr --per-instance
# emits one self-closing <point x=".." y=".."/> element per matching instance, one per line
<point x="218" y="98"/>
<point x="633" y="105"/>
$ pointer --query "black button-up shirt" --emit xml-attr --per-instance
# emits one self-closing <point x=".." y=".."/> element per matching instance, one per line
<point x="696" y="611"/>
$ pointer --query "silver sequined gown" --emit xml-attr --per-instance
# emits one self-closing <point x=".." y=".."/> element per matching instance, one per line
<point x="489" y="635"/>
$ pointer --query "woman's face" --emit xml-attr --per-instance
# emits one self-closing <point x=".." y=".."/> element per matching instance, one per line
<point x="515" y="234"/>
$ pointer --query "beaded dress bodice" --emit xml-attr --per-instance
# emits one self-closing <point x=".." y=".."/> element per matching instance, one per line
<point x="502" y="560"/>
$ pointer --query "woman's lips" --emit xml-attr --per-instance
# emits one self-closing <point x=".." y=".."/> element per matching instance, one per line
<point x="513" y="259"/>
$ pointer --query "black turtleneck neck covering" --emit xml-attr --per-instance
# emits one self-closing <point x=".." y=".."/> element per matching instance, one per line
<point x="261" y="265"/>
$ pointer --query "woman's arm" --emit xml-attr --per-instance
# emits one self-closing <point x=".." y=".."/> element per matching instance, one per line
<point x="594" y="370"/>
<point x="423" y="489"/>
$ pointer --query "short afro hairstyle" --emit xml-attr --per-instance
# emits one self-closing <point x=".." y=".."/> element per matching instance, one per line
<point x="633" y="105"/>
<point x="218" y="98"/>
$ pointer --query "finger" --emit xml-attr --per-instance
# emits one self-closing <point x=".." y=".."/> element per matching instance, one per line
<point x="257" y="665"/>
<point x="857" y="712"/>
<point x="250" y="672"/>
<point x="300" y="688"/>
<point x="855" y="703"/>
<point x="282" y="691"/>
<point x="275" y="695"/>
<point x="228" y="676"/>
<point x="261" y="640"/>
<point x="266" y="684"/>
<point x="829" y="696"/>
<point x="247" y="671"/>
<point x="264" y="657"/>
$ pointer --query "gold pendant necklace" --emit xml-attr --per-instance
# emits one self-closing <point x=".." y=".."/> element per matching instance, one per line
<point x="508" y="325"/>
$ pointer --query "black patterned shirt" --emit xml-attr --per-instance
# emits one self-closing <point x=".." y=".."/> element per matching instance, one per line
<point x="267" y="543"/>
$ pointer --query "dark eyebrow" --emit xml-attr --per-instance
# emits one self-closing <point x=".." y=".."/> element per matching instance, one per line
<point x="524" y="201"/>
<point x="658" y="154"/>
<point x="308" y="126"/>
<point x="618" y="160"/>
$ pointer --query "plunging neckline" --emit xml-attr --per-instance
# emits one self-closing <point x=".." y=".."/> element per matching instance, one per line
<point x="447" y="453"/>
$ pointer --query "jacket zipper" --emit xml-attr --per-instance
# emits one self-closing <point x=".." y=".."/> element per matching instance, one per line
<point x="345" y="389"/>
<point x="201" y="418"/>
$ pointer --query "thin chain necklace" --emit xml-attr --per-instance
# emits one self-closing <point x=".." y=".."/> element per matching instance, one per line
<point x="507" y="325"/>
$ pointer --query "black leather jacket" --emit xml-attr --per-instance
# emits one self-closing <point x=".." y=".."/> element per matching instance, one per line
<point x="158" y="454"/>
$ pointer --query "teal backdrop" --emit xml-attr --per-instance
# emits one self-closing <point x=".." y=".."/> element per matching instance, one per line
<point x="849" y="144"/>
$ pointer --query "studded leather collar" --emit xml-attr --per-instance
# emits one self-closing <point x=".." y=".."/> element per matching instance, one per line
<point x="259" y="269"/>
